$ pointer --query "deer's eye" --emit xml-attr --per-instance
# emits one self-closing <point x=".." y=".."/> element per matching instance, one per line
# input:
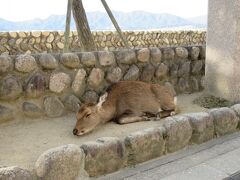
<point x="87" y="115"/>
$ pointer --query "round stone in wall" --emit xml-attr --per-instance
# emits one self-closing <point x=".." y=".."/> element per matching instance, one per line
<point x="132" y="73"/>
<point x="45" y="33"/>
<point x="106" y="58"/>
<point x="143" y="55"/>
<point x="53" y="107"/>
<point x="174" y="70"/>
<point x="6" y="64"/>
<point x="72" y="103"/>
<point x="181" y="52"/>
<point x="59" y="82"/>
<point x="60" y="45"/>
<point x="195" y="51"/>
<point x="48" y="61"/>
<point x="114" y="75"/>
<point x="168" y="54"/>
<point x="36" y="86"/>
<point x="156" y="55"/>
<point x="10" y="88"/>
<point x="197" y="67"/>
<point x="161" y="71"/>
<point x="36" y="34"/>
<point x="90" y="97"/>
<point x="50" y="38"/>
<point x="31" y="110"/>
<point x="126" y="56"/>
<point x="183" y="85"/>
<point x="25" y="63"/>
<point x="13" y="34"/>
<point x="95" y="78"/>
<point x="184" y="69"/>
<point x="79" y="82"/>
<point x="70" y="60"/>
<point x="148" y="72"/>
<point x="88" y="59"/>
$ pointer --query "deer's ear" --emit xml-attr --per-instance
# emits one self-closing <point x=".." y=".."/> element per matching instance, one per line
<point x="102" y="99"/>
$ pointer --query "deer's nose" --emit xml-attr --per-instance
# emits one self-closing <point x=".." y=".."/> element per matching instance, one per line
<point x="75" y="131"/>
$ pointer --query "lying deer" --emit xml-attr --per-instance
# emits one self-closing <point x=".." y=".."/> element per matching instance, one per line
<point x="126" y="102"/>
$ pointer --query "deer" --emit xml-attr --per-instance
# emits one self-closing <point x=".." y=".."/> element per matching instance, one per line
<point x="126" y="102"/>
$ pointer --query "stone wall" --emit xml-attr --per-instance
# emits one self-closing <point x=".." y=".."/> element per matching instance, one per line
<point x="38" y="42"/>
<point x="109" y="154"/>
<point x="54" y="84"/>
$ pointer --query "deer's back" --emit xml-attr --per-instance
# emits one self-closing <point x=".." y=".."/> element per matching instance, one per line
<point x="138" y="97"/>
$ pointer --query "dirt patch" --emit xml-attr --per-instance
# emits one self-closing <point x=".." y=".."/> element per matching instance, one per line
<point x="23" y="140"/>
<point x="209" y="101"/>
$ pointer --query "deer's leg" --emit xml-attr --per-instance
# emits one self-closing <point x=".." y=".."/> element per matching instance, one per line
<point x="167" y="113"/>
<point x="131" y="119"/>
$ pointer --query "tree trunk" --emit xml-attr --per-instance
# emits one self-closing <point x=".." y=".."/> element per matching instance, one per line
<point x="83" y="29"/>
<point x="67" y="28"/>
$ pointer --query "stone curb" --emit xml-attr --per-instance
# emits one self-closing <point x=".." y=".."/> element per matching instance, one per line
<point x="109" y="154"/>
<point x="105" y="155"/>
<point x="60" y="163"/>
<point x="151" y="142"/>
<point x="15" y="173"/>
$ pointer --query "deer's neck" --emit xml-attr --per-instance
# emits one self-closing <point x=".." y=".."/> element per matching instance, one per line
<point x="107" y="112"/>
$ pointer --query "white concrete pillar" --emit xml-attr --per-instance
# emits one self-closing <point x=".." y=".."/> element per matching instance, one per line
<point x="223" y="49"/>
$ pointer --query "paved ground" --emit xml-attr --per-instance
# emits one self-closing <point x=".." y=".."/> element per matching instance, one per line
<point x="23" y="140"/>
<point x="215" y="160"/>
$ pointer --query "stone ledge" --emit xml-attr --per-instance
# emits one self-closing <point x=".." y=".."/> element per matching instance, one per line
<point x="109" y="154"/>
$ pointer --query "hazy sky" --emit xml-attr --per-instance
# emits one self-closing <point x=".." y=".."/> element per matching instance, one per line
<point x="19" y="10"/>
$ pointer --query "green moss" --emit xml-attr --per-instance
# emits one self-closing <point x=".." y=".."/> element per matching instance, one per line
<point x="209" y="101"/>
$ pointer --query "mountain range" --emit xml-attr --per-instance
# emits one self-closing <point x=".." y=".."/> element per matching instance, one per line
<point x="136" y="20"/>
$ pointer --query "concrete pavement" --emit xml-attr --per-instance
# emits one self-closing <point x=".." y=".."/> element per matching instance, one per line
<point x="214" y="160"/>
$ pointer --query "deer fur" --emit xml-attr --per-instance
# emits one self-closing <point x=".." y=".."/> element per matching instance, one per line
<point x="126" y="102"/>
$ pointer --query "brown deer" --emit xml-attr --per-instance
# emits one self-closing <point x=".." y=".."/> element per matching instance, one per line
<point x="126" y="102"/>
